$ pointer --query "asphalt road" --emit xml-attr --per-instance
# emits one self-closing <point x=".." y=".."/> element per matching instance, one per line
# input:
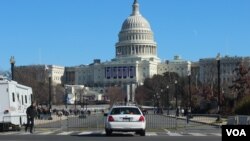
<point x="117" y="137"/>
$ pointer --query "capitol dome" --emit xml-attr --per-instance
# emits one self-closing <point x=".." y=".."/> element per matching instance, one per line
<point x="136" y="37"/>
<point x="135" y="21"/>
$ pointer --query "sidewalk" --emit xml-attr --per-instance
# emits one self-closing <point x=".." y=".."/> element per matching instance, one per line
<point x="204" y="119"/>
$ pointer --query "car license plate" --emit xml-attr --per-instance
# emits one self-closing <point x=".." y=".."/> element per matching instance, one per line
<point x="126" y="119"/>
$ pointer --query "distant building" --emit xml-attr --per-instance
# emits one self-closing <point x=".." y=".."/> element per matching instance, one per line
<point x="178" y="65"/>
<point x="69" y="76"/>
<point x="57" y="74"/>
<point x="209" y="71"/>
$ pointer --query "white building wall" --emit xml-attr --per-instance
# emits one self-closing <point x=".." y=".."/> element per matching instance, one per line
<point x="57" y="73"/>
<point x="181" y="67"/>
<point x="209" y="72"/>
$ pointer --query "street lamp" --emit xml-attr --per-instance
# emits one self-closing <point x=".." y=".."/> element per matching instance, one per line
<point x="66" y="97"/>
<point x="176" y="98"/>
<point x="86" y="102"/>
<point x="189" y="90"/>
<point x="161" y="95"/>
<point x="154" y="102"/>
<point x="50" y="103"/>
<point x="75" y="102"/>
<point x="167" y="100"/>
<point x="157" y="100"/>
<point x="12" y="62"/>
<point x="49" y="74"/>
<point x="81" y="92"/>
<point x="158" y="103"/>
<point x="218" y="69"/>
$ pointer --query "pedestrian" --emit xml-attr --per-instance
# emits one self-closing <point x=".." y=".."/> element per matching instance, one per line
<point x="31" y="113"/>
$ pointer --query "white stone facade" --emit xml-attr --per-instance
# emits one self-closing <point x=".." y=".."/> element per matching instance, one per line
<point x="57" y="74"/>
<point x="181" y="67"/>
<point x="209" y="71"/>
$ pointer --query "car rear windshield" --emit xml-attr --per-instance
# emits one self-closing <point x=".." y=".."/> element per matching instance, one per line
<point x="125" y="110"/>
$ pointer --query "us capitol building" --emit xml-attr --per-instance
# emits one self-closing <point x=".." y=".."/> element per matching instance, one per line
<point x="136" y="57"/>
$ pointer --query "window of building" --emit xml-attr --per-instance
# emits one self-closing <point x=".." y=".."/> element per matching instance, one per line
<point x="18" y="97"/>
<point x="22" y="99"/>
<point x="13" y="97"/>
<point x="25" y="98"/>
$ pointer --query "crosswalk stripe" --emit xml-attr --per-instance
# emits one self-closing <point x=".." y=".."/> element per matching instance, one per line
<point x="85" y="133"/>
<point x="9" y="133"/>
<point x="174" y="134"/>
<point x="99" y="132"/>
<point x="65" y="133"/>
<point x="171" y="134"/>
<point x="151" y="134"/>
<point x="24" y="133"/>
<point x="216" y="134"/>
<point x="45" y="133"/>
<point x="197" y="134"/>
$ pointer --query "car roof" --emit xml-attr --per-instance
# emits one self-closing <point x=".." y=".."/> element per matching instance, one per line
<point x="125" y="106"/>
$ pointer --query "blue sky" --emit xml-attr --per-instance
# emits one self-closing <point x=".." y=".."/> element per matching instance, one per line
<point x="74" y="32"/>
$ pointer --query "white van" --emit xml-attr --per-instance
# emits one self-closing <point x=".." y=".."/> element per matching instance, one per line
<point x="15" y="98"/>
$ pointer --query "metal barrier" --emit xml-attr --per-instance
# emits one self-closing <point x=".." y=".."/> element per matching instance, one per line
<point x="232" y="120"/>
<point x="49" y="121"/>
<point x="90" y="121"/>
<point x="203" y="121"/>
<point x="238" y="120"/>
<point x="160" y="121"/>
<point x="154" y="121"/>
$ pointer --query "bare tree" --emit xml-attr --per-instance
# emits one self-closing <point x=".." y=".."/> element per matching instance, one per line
<point x="59" y="97"/>
<point x="141" y="95"/>
<point x="241" y="84"/>
<point x="34" y="77"/>
<point x="115" y="94"/>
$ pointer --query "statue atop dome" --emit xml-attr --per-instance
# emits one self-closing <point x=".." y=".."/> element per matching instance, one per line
<point x="135" y="2"/>
<point x="136" y="10"/>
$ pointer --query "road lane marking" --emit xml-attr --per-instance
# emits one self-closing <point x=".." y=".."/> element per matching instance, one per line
<point x="45" y="133"/>
<point x="65" y="133"/>
<point x="216" y="134"/>
<point x="197" y="134"/>
<point x="9" y="133"/>
<point x="174" y="134"/>
<point x="85" y="133"/>
<point x="151" y="134"/>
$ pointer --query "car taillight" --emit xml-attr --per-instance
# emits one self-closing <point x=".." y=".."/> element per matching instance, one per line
<point x="110" y="119"/>
<point x="142" y="119"/>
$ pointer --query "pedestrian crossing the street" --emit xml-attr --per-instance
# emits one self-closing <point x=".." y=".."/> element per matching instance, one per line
<point x="102" y="133"/>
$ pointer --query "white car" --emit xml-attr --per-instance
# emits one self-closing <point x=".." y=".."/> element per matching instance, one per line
<point x="125" y="119"/>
